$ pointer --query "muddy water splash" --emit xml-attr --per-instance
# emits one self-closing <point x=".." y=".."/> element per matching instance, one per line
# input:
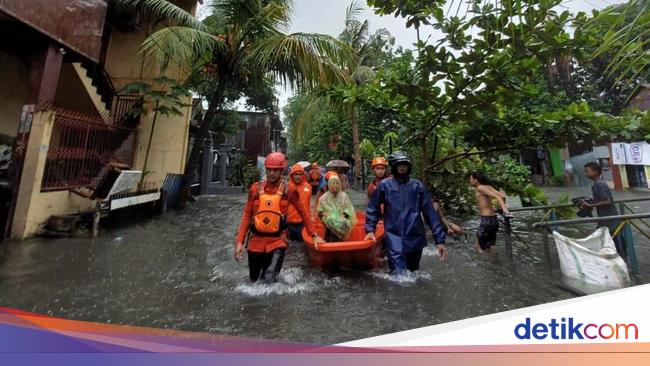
<point x="176" y="271"/>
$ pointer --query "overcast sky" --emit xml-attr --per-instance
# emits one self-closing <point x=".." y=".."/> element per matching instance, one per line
<point x="327" y="17"/>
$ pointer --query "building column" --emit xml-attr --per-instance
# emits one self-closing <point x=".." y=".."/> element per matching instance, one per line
<point x="32" y="175"/>
<point x="32" y="141"/>
<point x="46" y="69"/>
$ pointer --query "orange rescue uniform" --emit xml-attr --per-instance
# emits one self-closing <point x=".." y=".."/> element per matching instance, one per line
<point x="374" y="184"/>
<point x="304" y="193"/>
<point x="262" y="244"/>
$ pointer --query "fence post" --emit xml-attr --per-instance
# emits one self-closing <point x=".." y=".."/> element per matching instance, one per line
<point x="222" y="167"/>
<point x="206" y="167"/>
<point x="547" y="251"/>
<point x="508" y="227"/>
<point x="628" y="241"/>
<point x="553" y="218"/>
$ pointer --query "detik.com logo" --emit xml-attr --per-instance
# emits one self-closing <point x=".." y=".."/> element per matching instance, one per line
<point x="568" y="328"/>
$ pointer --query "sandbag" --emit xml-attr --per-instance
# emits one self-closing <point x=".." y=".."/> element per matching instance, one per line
<point x="593" y="260"/>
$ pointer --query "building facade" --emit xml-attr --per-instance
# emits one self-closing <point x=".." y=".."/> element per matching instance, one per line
<point x="62" y="112"/>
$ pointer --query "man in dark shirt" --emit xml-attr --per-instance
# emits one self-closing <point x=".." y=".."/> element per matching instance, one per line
<point x="603" y="202"/>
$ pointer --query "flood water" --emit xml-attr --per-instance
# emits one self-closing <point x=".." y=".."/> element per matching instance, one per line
<point x="176" y="271"/>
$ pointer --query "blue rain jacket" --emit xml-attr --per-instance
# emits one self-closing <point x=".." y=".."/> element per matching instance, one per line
<point x="405" y="206"/>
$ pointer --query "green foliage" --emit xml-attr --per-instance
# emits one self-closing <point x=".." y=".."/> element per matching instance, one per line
<point x="165" y="96"/>
<point x="565" y="212"/>
<point x="244" y="173"/>
<point x="508" y="174"/>
<point x="367" y="149"/>
<point x="556" y="181"/>
<point x="619" y="44"/>
<point x="533" y="196"/>
<point x="331" y="138"/>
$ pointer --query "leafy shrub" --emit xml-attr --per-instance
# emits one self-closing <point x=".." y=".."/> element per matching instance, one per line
<point x="556" y="181"/>
<point x="243" y="173"/>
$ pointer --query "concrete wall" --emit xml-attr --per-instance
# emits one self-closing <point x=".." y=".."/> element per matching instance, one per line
<point x="578" y="175"/>
<point x="14" y="93"/>
<point x="71" y="94"/>
<point x="168" y="150"/>
<point x="33" y="207"/>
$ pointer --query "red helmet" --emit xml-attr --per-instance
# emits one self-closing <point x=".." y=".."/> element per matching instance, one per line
<point x="380" y="160"/>
<point x="275" y="160"/>
<point x="330" y="174"/>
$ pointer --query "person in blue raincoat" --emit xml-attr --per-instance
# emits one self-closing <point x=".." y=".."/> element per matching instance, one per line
<point x="406" y="204"/>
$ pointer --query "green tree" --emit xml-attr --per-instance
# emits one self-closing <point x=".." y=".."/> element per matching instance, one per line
<point x="239" y="42"/>
<point x="371" y="50"/>
<point x="623" y="35"/>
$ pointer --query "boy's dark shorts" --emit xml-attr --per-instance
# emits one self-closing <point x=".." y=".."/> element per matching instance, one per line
<point x="487" y="232"/>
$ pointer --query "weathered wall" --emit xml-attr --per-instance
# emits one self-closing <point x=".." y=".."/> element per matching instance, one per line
<point x="34" y="207"/>
<point x="14" y="93"/>
<point x="70" y="92"/>
<point x="78" y="24"/>
<point x="168" y="150"/>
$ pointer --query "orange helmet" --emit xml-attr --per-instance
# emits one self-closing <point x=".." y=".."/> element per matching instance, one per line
<point x="330" y="174"/>
<point x="380" y="160"/>
<point x="275" y="160"/>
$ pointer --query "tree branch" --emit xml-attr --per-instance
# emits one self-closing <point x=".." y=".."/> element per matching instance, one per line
<point x="467" y="154"/>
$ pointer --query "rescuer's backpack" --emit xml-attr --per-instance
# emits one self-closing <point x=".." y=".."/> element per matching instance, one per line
<point x="269" y="219"/>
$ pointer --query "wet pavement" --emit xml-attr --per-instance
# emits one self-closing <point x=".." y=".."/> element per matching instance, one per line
<point x="176" y="271"/>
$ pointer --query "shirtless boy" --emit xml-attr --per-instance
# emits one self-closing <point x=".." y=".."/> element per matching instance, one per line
<point x="486" y="236"/>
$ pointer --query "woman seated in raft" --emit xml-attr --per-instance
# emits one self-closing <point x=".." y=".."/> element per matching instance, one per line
<point x="336" y="212"/>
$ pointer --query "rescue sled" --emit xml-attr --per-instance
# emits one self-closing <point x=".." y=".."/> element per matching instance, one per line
<point x="355" y="253"/>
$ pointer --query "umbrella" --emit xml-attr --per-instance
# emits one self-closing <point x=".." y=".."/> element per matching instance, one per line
<point x="337" y="164"/>
<point x="304" y="164"/>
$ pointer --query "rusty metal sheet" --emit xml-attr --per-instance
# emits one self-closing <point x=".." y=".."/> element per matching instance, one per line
<point x="77" y="24"/>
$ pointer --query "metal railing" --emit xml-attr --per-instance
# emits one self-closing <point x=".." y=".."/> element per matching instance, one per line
<point x="125" y="110"/>
<point x="628" y="219"/>
<point x="625" y="221"/>
<point x="80" y="147"/>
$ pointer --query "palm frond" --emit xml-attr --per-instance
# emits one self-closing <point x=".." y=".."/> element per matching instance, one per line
<point x="298" y="59"/>
<point x="353" y="11"/>
<point x="182" y="46"/>
<point x="163" y="9"/>
<point x="319" y="104"/>
<point x="626" y="41"/>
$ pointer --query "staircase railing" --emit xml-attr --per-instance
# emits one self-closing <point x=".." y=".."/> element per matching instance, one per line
<point x="102" y="81"/>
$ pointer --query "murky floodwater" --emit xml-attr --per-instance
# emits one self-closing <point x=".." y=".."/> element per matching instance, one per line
<point x="176" y="271"/>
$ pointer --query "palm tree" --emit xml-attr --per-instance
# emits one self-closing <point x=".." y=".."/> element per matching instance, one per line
<point x="626" y="40"/>
<point x="357" y="71"/>
<point x="240" y="42"/>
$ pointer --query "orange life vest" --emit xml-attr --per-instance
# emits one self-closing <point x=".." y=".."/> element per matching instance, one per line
<point x="270" y="216"/>
<point x="304" y="192"/>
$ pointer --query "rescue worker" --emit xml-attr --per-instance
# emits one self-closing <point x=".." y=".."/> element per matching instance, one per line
<point x="406" y="202"/>
<point x="378" y="166"/>
<point x="264" y="222"/>
<point x="315" y="178"/>
<point x="327" y="177"/>
<point x="298" y="183"/>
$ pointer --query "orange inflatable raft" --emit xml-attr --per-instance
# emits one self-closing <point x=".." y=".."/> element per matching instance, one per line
<point x="354" y="253"/>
